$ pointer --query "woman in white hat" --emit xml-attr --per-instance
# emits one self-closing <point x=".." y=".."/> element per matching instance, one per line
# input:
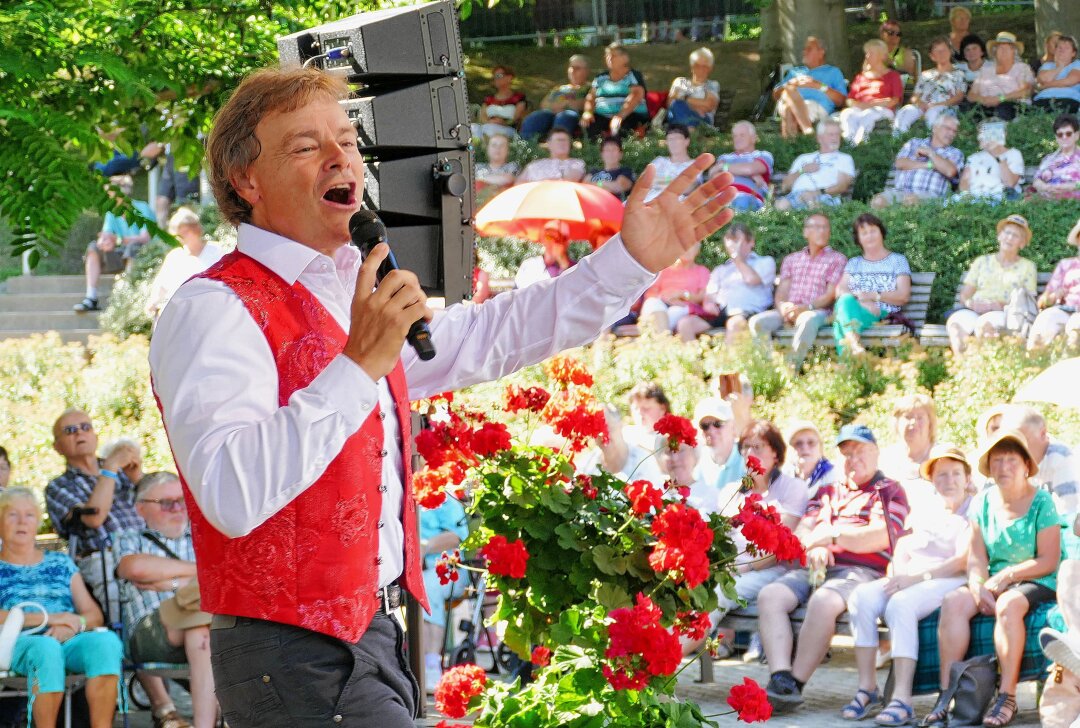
<point x="808" y="461"/>
<point x="1013" y="558"/>
<point x="1002" y="85"/>
<point x="1060" y="301"/>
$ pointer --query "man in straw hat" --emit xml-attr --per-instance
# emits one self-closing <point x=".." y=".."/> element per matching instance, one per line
<point x="1003" y="84"/>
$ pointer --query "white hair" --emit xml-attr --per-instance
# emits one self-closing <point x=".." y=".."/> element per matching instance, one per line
<point x="827" y="124"/>
<point x="702" y="54"/>
<point x="747" y="124"/>
<point x="111" y="447"/>
<point x="184" y="216"/>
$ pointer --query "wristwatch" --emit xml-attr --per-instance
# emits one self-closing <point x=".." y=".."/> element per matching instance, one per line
<point x="927" y="576"/>
<point x="175" y="584"/>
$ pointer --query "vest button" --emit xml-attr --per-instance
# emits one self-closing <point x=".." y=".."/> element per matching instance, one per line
<point x="383" y="453"/>
<point x="382" y="415"/>
<point x="337" y="718"/>
<point x="266" y="678"/>
<point x="378" y="559"/>
<point x="381" y="524"/>
<point x="382" y="488"/>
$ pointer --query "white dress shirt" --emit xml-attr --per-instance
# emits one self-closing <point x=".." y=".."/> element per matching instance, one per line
<point x="244" y="458"/>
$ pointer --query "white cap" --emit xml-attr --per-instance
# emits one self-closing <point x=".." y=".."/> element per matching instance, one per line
<point x="713" y="407"/>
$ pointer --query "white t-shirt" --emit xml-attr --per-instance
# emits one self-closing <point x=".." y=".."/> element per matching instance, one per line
<point x="984" y="174"/>
<point x="833" y="164"/>
<point x="730" y="291"/>
<point x="178" y="266"/>
<point x="666" y="171"/>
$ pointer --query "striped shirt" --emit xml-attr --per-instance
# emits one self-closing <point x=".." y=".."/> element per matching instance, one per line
<point x="844" y="506"/>
<point x="140" y="602"/>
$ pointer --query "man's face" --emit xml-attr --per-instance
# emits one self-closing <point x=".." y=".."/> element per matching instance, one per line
<point x="945" y="131"/>
<point x="860" y="460"/>
<point x="816" y="230"/>
<point x="813" y="54"/>
<point x="75" y="436"/>
<point x="737" y="245"/>
<point x="305" y="183"/>
<point x="743" y="138"/>
<point x="163" y="509"/>
<point x="719" y="434"/>
<point x="677" y="144"/>
<point x="829" y="138"/>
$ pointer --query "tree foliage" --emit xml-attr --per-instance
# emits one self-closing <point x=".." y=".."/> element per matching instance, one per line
<point x="71" y="70"/>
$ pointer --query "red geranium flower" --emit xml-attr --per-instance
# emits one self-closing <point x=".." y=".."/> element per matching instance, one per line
<point x="490" y="438"/>
<point x="541" y="656"/>
<point x="446" y="568"/>
<point x="694" y="625"/>
<point x="753" y="465"/>
<point x="750" y="702"/>
<point x="448" y="724"/>
<point x="677" y="430"/>
<point x="587" y="488"/>
<point x="640" y="648"/>
<point x="505" y="558"/>
<point x="531" y="399"/>
<point x="576" y="416"/>
<point x="682" y="546"/>
<point x="644" y="495"/>
<point x="762" y="528"/>
<point x="430" y="484"/>
<point x="567" y="370"/>
<point x="457" y="687"/>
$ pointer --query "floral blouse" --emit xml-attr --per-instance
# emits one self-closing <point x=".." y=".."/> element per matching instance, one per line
<point x="1066" y="279"/>
<point x="1059" y="168"/>
<point x="937" y="87"/>
<point x="994" y="282"/>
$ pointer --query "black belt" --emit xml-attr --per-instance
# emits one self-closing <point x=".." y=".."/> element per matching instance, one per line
<point x="389" y="599"/>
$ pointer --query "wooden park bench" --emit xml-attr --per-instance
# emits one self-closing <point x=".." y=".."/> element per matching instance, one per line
<point x="938" y="335"/>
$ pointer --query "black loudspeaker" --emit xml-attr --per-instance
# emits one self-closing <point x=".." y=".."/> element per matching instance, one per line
<point x="411" y="114"/>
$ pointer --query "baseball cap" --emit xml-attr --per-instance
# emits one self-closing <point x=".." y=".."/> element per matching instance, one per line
<point x="855" y="433"/>
<point x="713" y="407"/>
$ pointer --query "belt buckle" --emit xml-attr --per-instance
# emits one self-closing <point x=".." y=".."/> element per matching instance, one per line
<point x="384" y="601"/>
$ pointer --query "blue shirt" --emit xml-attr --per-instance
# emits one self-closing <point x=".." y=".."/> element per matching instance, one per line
<point x="47" y="582"/>
<point x="611" y="95"/>
<point x="1064" y="92"/>
<point x="831" y="76"/>
<point x="121" y="227"/>
<point x="717" y="476"/>
<point x="450" y="516"/>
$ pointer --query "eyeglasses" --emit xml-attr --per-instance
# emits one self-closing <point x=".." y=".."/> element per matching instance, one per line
<point x="1064" y="133"/>
<point x="171" y="505"/>
<point x="499" y="74"/>
<point x="710" y="424"/>
<point x="893" y="33"/>
<point x="72" y="429"/>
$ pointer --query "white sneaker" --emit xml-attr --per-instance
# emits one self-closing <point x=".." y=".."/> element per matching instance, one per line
<point x="754" y="652"/>
<point x="1062" y="648"/>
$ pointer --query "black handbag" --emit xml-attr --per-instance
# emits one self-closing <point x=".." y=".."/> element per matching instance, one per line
<point x="972" y="684"/>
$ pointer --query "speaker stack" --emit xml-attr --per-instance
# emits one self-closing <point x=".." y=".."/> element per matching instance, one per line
<point x="409" y="107"/>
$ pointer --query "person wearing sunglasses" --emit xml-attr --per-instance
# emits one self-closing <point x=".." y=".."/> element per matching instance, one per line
<point x="153" y="563"/>
<point x="1058" y="177"/>
<point x="900" y="58"/>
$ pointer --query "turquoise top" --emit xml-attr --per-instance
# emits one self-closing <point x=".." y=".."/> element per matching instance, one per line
<point x="124" y="229"/>
<point x="450" y="516"/>
<point x="47" y="582"/>
<point x="1011" y="542"/>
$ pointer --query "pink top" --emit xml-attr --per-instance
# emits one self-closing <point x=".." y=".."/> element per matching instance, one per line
<point x="675" y="279"/>
<point x="787" y="493"/>
<point x="864" y="88"/>
<point x="1066" y="278"/>
<point x="936" y="535"/>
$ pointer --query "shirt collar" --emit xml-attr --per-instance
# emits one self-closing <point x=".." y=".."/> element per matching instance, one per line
<point x="288" y="258"/>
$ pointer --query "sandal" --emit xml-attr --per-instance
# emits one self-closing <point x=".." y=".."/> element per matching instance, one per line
<point x="1002" y="712"/>
<point x="938" y="716"/>
<point x="897" y="712"/>
<point x="858" y="709"/>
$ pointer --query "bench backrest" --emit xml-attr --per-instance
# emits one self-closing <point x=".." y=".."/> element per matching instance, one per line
<point x="1043" y="279"/>
<point x="919" y="303"/>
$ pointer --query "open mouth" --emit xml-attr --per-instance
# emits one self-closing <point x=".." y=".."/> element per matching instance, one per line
<point x="341" y="194"/>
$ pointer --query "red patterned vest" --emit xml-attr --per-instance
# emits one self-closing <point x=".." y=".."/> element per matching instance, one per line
<point x="314" y="562"/>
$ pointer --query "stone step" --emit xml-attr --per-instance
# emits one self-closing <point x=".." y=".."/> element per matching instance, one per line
<point x="81" y="336"/>
<point x="55" y="302"/>
<point x="47" y="321"/>
<point x="75" y="285"/>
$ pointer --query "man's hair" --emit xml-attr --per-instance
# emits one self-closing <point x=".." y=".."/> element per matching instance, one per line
<point x="651" y="390"/>
<point x="736" y="229"/>
<point x="678" y="129"/>
<point x="153" y="480"/>
<point x="909" y="403"/>
<point x="943" y="118"/>
<point x="826" y="124"/>
<point x="745" y="123"/>
<point x="768" y="432"/>
<point x="118" y="443"/>
<point x="617" y="47"/>
<point x="183" y="217"/>
<point x="232" y="145"/>
<point x="1021" y="416"/>
<point x="1066" y="120"/>
<point x="65" y="413"/>
<point x="702" y="54"/>
<point x="816" y="41"/>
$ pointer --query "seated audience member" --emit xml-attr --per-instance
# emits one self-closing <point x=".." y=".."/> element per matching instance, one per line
<point x="5" y="468"/>
<point x="176" y="187"/>
<point x="192" y="257"/>
<point x="990" y="283"/>
<point x="752" y="167"/>
<point x="1058" y="80"/>
<point x="632" y="449"/>
<point x="939" y="89"/>
<point x="1060" y="301"/>
<point x="994" y="172"/>
<point x="116" y="245"/>
<point x="563" y="105"/>
<point x="615" y="105"/>
<point x="1004" y="83"/>
<point x="498" y="172"/>
<point x="928" y="563"/>
<point x="554" y="260"/>
<point x="720" y="462"/>
<point x="809" y="463"/>
<point x="753" y="572"/>
<point x="679" y="467"/>
<point x="91" y="482"/>
<point x="441" y="529"/>
<point x="1058" y="177"/>
<point x="692" y="101"/>
<point x="1013" y="558"/>
<point x="972" y="61"/>
<point x="72" y="643"/>
<point x="821" y="177"/>
<point x="806" y="290"/>
<point x="809" y="93"/>
<point x="558" y="165"/>
<point x="899" y="57"/>
<point x="873" y="95"/>
<point x="615" y="177"/>
<point x="1050" y="46"/>
<point x="848" y="531"/>
<point x="925" y="167"/>
<point x="153" y="564"/>
<point x="669" y="167"/>
<point x="915" y="426"/>
<point x="502" y="111"/>
<point x="679" y="290"/>
<point x="959" y="25"/>
<point x="1058" y="471"/>
<point x="874" y="285"/>
<point x="737" y="289"/>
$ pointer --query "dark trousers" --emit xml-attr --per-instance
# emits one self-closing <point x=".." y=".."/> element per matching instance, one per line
<point x="271" y="675"/>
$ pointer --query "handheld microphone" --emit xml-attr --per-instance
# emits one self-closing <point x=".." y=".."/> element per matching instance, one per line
<point x="367" y="231"/>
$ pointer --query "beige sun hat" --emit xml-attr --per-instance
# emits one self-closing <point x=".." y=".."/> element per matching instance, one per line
<point x="1005" y="37"/>
<point x="999" y="437"/>
<point x="943" y="452"/>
